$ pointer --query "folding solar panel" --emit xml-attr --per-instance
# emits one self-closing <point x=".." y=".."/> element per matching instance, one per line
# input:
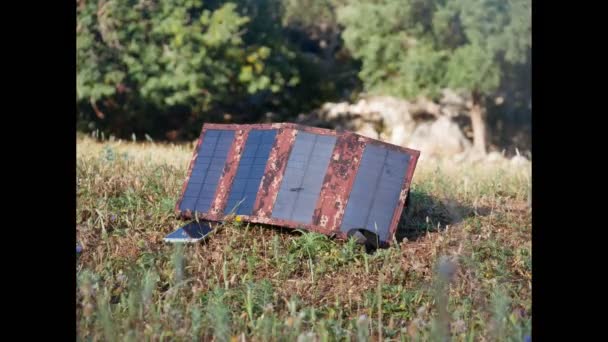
<point x="298" y="177"/>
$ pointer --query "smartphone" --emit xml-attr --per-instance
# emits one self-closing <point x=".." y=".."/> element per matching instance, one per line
<point x="192" y="232"/>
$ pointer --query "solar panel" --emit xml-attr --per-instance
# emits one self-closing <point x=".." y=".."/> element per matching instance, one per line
<point x="375" y="192"/>
<point x="250" y="171"/>
<point x="298" y="177"/>
<point x="207" y="170"/>
<point x="303" y="178"/>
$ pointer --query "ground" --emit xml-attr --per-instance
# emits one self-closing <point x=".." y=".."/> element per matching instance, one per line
<point x="460" y="267"/>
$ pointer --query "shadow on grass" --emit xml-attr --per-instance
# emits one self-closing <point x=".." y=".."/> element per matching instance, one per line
<point x="425" y="213"/>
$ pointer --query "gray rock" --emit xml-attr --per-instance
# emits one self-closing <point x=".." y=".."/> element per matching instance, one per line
<point x="421" y="124"/>
<point x="495" y="157"/>
<point x="519" y="160"/>
<point x="441" y="137"/>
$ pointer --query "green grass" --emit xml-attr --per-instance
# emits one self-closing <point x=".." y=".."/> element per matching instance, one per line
<point x="462" y="267"/>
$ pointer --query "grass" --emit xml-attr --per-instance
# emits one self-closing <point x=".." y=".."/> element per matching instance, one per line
<point x="461" y="269"/>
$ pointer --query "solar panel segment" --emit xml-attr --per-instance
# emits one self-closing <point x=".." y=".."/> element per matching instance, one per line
<point x="376" y="190"/>
<point x="303" y="177"/>
<point x="207" y="170"/>
<point x="250" y="171"/>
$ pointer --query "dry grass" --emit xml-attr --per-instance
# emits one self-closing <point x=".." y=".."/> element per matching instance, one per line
<point x="254" y="283"/>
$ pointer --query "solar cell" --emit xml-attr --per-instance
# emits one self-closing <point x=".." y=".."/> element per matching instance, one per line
<point x="207" y="170"/>
<point x="376" y="190"/>
<point x="303" y="177"/>
<point x="250" y="171"/>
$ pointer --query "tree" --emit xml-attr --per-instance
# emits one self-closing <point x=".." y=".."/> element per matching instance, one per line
<point x="316" y="18"/>
<point x="411" y="48"/>
<point x="328" y="70"/>
<point x="140" y="62"/>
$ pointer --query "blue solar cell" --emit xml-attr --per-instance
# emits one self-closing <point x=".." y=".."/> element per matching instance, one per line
<point x="192" y="190"/>
<point x="213" y="133"/>
<point x="250" y="172"/>
<point x="303" y="177"/>
<point x="260" y="160"/>
<point x="375" y="193"/>
<point x="187" y="203"/>
<point x="203" y="160"/>
<point x="207" y="170"/>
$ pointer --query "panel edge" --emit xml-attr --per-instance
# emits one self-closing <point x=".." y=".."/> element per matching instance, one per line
<point x="407" y="182"/>
<point x="177" y="211"/>
<point x="273" y="173"/>
<point x="338" y="182"/>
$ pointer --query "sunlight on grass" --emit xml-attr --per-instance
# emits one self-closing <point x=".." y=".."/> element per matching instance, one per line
<point x="276" y="284"/>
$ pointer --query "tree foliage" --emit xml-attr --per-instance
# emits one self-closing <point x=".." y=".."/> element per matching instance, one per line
<point x="417" y="47"/>
<point x="410" y="48"/>
<point x="138" y="59"/>
<point x="149" y="66"/>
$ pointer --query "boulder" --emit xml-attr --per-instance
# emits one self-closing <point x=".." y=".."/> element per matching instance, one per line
<point x="519" y="160"/>
<point x="495" y="157"/>
<point x="439" y="138"/>
<point x="422" y="124"/>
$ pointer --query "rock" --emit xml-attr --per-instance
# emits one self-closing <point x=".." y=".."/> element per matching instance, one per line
<point x="334" y="111"/>
<point x="476" y="157"/>
<point x="368" y="130"/>
<point x="425" y="106"/>
<point x="495" y="157"/>
<point x="423" y="124"/>
<point x="441" y="137"/>
<point x="460" y="157"/>
<point x="452" y="104"/>
<point x="391" y="114"/>
<point x="451" y="98"/>
<point x="398" y="135"/>
<point x="519" y="160"/>
<point x="394" y="115"/>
